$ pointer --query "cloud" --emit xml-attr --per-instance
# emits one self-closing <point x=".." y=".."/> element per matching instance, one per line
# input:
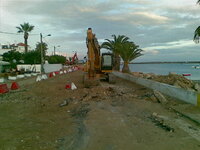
<point x="172" y="45"/>
<point x="154" y="17"/>
<point x="153" y="52"/>
<point x="154" y="25"/>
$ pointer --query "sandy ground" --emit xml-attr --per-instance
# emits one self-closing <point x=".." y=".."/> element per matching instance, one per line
<point x="106" y="117"/>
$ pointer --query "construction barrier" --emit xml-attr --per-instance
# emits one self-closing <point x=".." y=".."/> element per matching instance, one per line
<point x="68" y="86"/>
<point x="3" y="88"/>
<point x="57" y="72"/>
<point x="44" y="77"/>
<point x="39" y="78"/>
<point x="73" y="86"/>
<point x="51" y="75"/>
<point x="14" y="86"/>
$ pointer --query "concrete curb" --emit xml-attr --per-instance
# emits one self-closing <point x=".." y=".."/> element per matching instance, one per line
<point x="176" y="92"/>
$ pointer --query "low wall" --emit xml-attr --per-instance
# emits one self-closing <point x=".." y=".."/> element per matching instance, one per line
<point x="37" y="68"/>
<point x="176" y="92"/>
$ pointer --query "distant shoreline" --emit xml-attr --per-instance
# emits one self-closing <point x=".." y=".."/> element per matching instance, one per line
<point x="180" y="62"/>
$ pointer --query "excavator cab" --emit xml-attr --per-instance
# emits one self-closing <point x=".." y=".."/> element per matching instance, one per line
<point x="106" y="62"/>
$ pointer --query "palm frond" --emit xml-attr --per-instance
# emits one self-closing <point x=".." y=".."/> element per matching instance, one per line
<point x="19" y="30"/>
<point x="197" y="35"/>
<point x="130" y="51"/>
<point x="26" y="27"/>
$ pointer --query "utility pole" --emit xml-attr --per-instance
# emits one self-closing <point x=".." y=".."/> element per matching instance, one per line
<point x="42" y="57"/>
<point x="42" y="52"/>
<point x="55" y="49"/>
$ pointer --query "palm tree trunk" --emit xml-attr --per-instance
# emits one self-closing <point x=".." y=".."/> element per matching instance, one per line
<point x="26" y="46"/>
<point x="116" y="62"/>
<point x="26" y="42"/>
<point x="125" y="68"/>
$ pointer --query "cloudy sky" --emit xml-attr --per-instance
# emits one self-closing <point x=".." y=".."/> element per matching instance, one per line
<point x="163" y="28"/>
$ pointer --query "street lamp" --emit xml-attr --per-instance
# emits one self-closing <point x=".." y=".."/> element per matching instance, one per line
<point x="41" y="48"/>
<point x="55" y="49"/>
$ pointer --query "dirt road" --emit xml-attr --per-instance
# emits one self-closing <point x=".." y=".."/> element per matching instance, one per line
<point x="46" y="116"/>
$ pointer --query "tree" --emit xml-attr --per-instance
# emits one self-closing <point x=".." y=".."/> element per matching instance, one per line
<point x="114" y="46"/>
<point x="25" y="28"/>
<point x="32" y="57"/>
<point x="128" y="52"/>
<point x="44" y="47"/>
<point x="13" y="57"/>
<point x="57" y="59"/>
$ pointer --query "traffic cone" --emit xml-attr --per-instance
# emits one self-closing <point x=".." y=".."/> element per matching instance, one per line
<point x="14" y="86"/>
<point x="3" y="88"/>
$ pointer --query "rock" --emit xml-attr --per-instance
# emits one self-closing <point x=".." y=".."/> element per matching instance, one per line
<point x="148" y="76"/>
<point x="160" y="97"/>
<point x="65" y="102"/>
<point x="172" y="73"/>
<point x="153" y="99"/>
<point x="176" y="84"/>
<point x="155" y="114"/>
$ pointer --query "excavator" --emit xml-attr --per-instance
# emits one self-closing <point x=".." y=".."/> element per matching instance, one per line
<point x="73" y="60"/>
<point x="98" y="66"/>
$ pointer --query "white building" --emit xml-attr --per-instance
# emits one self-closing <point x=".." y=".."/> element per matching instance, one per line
<point x="17" y="47"/>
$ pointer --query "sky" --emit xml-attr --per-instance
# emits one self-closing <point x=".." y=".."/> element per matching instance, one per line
<point x="164" y="29"/>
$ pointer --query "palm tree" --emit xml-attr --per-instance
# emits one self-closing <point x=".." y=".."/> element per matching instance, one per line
<point x="114" y="45"/>
<point x="25" y="28"/>
<point x="197" y="31"/>
<point x="128" y="52"/>
<point x="197" y="35"/>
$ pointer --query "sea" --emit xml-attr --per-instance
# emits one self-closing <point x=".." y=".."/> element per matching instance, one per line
<point x="166" y="68"/>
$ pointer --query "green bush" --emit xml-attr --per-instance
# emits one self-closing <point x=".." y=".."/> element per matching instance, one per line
<point x="56" y="59"/>
<point x="32" y="57"/>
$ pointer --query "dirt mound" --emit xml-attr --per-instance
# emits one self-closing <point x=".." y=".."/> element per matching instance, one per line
<point x="171" y="79"/>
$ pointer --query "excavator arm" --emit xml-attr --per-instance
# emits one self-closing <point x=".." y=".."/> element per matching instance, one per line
<point x="93" y="53"/>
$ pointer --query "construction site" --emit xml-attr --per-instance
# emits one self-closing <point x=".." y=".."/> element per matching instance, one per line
<point x="93" y="107"/>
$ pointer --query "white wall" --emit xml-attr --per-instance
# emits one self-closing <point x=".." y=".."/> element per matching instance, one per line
<point x="52" y="67"/>
<point x="47" y="67"/>
<point x="33" y="68"/>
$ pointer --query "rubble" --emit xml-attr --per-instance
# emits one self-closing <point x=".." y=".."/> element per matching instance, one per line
<point x="171" y="79"/>
<point x="159" y="122"/>
<point x="66" y="102"/>
<point x="160" y="97"/>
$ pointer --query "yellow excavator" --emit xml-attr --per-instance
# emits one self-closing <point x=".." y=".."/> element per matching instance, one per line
<point x="98" y="66"/>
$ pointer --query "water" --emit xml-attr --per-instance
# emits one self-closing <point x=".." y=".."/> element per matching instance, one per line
<point x="164" y="69"/>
